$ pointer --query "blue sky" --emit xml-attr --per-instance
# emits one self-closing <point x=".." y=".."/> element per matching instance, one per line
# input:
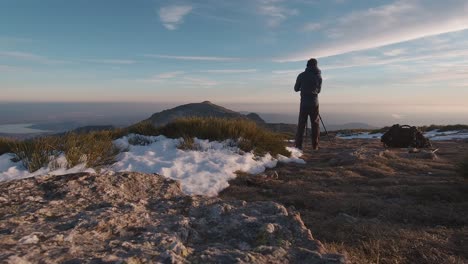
<point x="371" y="52"/>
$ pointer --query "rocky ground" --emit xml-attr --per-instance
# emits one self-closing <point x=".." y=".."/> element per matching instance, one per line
<point x="364" y="203"/>
<point x="371" y="204"/>
<point x="144" y="218"/>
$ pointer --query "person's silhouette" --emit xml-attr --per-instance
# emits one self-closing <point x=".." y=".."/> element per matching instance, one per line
<point x="309" y="83"/>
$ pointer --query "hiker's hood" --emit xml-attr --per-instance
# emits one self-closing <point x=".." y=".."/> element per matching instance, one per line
<point x="313" y="69"/>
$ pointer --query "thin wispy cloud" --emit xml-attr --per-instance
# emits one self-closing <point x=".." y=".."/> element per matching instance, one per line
<point x="179" y="78"/>
<point x="275" y="11"/>
<point x="31" y="57"/>
<point x="445" y="76"/>
<point x="287" y="72"/>
<point x="309" y="27"/>
<point x="227" y="71"/>
<point x="26" y="56"/>
<point x="198" y="81"/>
<point x="394" y="52"/>
<point x="169" y="75"/>
<point x="158" y="78"/>
<point x="109" y="61"/>
<point x="397" y="22"/>
<point x="14" y="40"/>
<point x="9" y="68"/>
<point x="173" y="16"/>
<point x="360" y="61"/>
<point x="398" y="57"/>
<point x="192" y="58"/>
<point x="21" y="55"/>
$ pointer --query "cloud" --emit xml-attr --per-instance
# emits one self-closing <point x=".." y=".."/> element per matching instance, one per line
<point x="169" y="75"/>
<point x="109" y="61"/>
<point x="196" y="81"/>
<point x="274" y="12"/>
<point x="18" y="55"/>
<point x="157" y="78"/>
<point x="434" y="56"/>
<point x="8" y="68"/>
<point x="13" y="40"/>
<point x="447" y="77"/>
<point x="29" y="57"/>
<point x="173" y="16"/>
<point x="195" y="58"/>
<point x="180" y="78"/>
<point x="21" y="55"/>
<point x="294" y="71"/>
<point x="394" y="52"/>
<point x="311" y="27"/>
<point x="400" y="21"/>
<point x="231" y="71"/>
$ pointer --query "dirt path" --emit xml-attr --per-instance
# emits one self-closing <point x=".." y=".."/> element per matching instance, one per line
<point x="376" y="206"/>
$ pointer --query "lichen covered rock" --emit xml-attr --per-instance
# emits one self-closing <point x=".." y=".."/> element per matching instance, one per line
<point x="144" y="218"/>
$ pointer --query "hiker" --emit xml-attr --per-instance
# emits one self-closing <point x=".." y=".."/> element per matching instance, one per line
<point x="309" y="83"/>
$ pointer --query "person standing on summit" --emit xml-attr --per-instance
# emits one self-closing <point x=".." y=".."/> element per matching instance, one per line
<point x="309" y="83"/>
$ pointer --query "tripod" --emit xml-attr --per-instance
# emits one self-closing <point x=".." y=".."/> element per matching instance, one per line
<point x="323" y="124"/>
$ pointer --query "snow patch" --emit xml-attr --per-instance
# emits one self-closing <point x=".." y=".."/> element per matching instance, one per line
<point x="434" y="135"/>
<point x="10" y="170"/>
<point x="204" y="171"/>
<point x="446" y="135"/>
<point x="360" y="135"/>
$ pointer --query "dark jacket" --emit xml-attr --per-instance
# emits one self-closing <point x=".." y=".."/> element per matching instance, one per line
<point x="309" y="83"/>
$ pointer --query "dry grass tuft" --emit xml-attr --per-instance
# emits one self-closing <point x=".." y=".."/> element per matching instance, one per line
<point x="252" y="137"/>
<point x="143" y="128"/>
<point x="5" y="145"/>
<point x="188" y="143"/>
<point x="35" y="153"/>
<point x="94" y="149"/>
<point x="249" y="136"/>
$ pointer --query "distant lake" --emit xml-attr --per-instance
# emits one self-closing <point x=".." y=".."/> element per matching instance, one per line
<point x="19" y="129"/>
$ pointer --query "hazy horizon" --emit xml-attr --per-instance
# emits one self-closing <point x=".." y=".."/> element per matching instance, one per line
<point x="126" y="113"/>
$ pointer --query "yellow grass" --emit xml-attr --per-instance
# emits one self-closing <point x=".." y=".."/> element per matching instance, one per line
<point x="5" y="145"/>
<point x="97" y="148"/>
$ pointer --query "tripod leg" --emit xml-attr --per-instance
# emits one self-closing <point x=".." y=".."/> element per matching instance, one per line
<point x="326" y="132"/>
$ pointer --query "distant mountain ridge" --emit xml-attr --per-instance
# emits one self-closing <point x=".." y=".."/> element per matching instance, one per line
<point x="203" y="109"/>
<point x="208" y="109"/>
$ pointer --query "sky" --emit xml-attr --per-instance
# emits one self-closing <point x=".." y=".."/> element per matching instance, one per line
<point x="373" y="54"/>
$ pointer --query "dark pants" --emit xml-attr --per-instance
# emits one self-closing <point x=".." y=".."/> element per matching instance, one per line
<point x="304" y="113"/>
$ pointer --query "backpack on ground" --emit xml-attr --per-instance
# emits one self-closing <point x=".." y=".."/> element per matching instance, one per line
<point x="405" y="136"/>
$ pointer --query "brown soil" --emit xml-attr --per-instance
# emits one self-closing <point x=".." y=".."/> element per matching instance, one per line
<point x="375" y="206"/>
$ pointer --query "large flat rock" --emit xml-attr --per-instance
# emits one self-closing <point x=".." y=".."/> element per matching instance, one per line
<point x="144" y="218"/>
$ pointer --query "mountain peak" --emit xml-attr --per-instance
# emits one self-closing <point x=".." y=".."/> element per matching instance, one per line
<point x="203" y="109"/>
